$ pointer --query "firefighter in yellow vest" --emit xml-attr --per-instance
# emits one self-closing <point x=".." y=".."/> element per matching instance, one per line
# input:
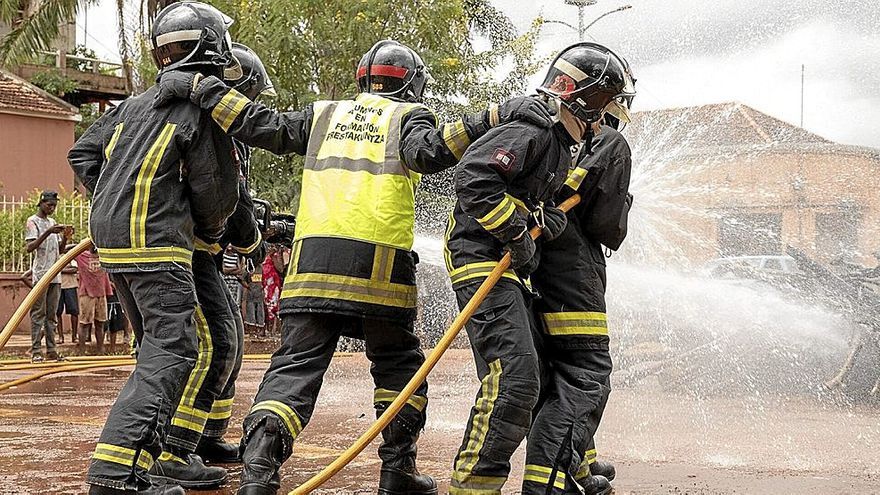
<point x="352" y="270"/>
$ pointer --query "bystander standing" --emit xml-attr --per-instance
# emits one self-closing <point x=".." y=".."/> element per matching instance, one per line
<point x="46" y="239"/>
<point x="233" y="269"/>
<point x="254" y="308"/>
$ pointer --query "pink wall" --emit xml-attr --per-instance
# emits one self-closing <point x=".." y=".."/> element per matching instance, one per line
<point x="34" y="154"/>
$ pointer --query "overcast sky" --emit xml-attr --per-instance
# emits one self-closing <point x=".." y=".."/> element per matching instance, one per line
<point x="692" y="52"/>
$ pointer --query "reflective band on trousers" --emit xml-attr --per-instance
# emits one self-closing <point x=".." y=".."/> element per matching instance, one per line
<point x="186" y="415"/>
<point x="122" y="455"/>
<point x="354" y="184"/>
<point x="463" y="479"/>
<point x="576" y="323"/>
<point x="541" y="474"/>
<point x="283" y="411"/>
<point x="584" y="467"/>
<point x="383" y="395"/>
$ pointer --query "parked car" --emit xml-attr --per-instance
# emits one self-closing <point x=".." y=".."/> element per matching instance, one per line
<point x="751" y="267"/>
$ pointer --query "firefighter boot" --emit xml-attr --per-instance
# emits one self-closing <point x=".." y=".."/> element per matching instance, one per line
<point x="216" y="451"/>
<point x="262" y="457"/>
<point x="188" y="473"/>
<point x="595" y="485"/>
<point x="399" y="475"/>
<point x="152" y="490"/>
<point x="603" y="468"/>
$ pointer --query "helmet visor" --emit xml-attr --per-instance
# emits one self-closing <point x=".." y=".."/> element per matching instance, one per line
<point x="619" y="108"/>
<point x="233" y="71"/>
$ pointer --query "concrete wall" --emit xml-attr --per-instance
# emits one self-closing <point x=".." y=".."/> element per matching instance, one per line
<point x="12" y="292"/>
<point x="34" y="154"/>
<point x="797" y="187"/>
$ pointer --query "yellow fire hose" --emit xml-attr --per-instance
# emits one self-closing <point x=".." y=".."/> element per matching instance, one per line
<point x="64" y="369"/>
<point x="38" y="289"/>
<point x="422" y="373"/>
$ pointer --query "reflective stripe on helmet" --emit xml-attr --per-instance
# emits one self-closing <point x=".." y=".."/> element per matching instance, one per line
<point x="175" y="36"/>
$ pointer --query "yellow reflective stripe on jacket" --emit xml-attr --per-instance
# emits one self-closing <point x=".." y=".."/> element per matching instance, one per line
<point x="349" y="288"/>
<point x="119" y="256"/>
<point x="383" y="395"/>
<point x="456" y="138"/>
<point x="200" y="245"/>
<point x="112" y="144"/>
<point x="143" y="183"/>
<point x="463" y="477"/>
<point x="478" y="270"/>
<point x="576" y="323"/>
<point x="447" y="254"/>
<point x="500" y="214"/>
<point x="230" y="106"/>
<point x="383" y="262"/>
<point x="186" y="415"/>
<point x="541" y="474"/>
<point x="576" y="177"/>
<point x="283" y="411"/>
<point x="354" y="183"/>
<point x="221" y="409"/>
<point x="494" y="117"/>
<point x="249" y="249"/>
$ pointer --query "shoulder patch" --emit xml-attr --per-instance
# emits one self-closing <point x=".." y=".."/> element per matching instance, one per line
<point x="503" y="159"/>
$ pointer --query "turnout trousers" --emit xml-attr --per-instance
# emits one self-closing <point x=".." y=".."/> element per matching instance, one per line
<point x="501" y="334"/>
<point x="221" y="410"/>
<point x="218" y="352"/>
<point x="576" y="365"/>
<point x="291" y="385"/>
<point x="161" y="306"/>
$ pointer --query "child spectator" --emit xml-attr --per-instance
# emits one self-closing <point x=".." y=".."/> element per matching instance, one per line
<point x="94" y="287"/>
<point x="232" y="272"/>
<point x="272" y="283"/>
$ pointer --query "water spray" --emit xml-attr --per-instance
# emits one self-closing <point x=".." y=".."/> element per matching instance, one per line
<point x="422" y="373"/>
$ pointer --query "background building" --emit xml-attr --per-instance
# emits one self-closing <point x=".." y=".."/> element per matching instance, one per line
<point x="727" y="180"/>
<point x="36" y="132"/>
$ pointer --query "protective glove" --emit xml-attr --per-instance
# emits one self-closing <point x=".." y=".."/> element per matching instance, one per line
<point x="525" y="108"/>
<point x="553" y="221"/>
<point x="522" y="254"/>
<point x="175" y="85"/>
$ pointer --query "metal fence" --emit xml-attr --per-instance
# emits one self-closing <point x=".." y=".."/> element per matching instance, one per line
<point x="72" y="209"/>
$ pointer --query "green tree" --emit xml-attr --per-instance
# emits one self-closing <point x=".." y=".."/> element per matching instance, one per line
<point x="312" y="47"/>
<point x="35" y="25"/>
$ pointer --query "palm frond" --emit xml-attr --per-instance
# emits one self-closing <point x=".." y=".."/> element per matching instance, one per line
<point x="37" y="31"/>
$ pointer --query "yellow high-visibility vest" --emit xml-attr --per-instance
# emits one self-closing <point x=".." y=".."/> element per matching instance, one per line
<point x="355" y="186"/>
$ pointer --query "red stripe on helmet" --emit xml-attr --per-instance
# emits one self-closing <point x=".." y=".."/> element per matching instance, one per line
<point x="383" y="70"/>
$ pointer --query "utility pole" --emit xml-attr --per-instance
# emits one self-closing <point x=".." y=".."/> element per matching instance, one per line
<point x="581" y="4"/>
<point x="802" y="96"/>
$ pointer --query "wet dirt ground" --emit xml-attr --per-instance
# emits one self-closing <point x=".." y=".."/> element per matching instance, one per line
<point x="661" y="442"/>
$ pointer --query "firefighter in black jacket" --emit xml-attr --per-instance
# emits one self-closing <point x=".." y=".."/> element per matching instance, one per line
<point x="247" y="241"/>
<point x="571" y="312"/>
<point x="203" y="413"/>
<point x="503" y="180"/>
<point x="160" y="178"/>
<point x="352" y="271"/>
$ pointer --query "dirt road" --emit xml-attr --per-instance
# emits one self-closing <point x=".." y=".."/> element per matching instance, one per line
<point x="661" y="442"/>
